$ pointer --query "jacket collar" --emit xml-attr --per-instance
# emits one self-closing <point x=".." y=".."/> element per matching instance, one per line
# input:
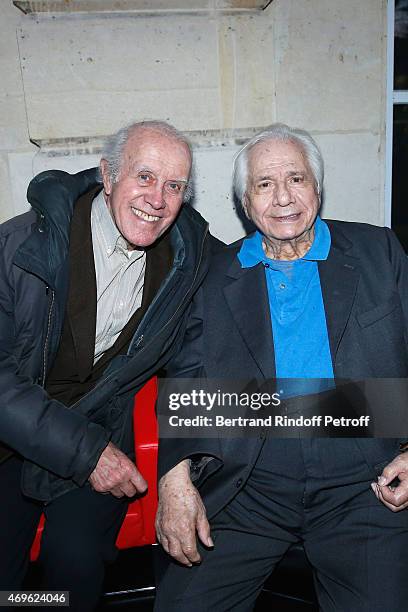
<point x="52" y="194"/>
<point x="247" y="298"/>
<point x="339" y="277"/>
<point x="81" y="304"/>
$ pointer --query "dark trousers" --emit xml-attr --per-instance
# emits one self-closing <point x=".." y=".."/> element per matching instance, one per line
<point x="79" y="538"/>
<point x="312" y="491"/>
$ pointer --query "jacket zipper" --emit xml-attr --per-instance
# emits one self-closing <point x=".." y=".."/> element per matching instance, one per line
<point x="47" y="337"/>
<point x="140" y="338"/>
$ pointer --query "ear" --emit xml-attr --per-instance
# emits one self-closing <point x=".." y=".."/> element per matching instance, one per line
<point x="107" y="183"/>
<point x="245" y="206"/>
<point x="319" y="198"/>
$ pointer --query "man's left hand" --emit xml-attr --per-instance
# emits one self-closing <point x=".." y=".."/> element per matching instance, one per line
<point x="394" y="497"/>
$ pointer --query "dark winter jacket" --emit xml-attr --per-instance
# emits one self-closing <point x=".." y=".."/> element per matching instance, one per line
<point x="62" y="445"/>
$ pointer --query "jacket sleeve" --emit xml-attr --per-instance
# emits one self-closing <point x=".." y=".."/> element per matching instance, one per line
<point x="43" y="430"/>
<point x="188" y="363"/>
<point x="400" y="264"/>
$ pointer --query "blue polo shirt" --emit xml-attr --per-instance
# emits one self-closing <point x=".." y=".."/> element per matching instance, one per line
<point x="299" y="326"/>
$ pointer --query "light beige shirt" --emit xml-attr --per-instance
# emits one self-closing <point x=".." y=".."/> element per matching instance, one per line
<point x="119" y="277"/>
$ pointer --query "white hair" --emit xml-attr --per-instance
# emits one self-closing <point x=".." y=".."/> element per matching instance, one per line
<point x="115" y="144"/>
<point x="282" y="132"/>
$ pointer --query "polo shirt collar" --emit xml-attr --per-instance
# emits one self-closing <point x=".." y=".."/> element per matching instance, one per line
<point x="252" y="253"/>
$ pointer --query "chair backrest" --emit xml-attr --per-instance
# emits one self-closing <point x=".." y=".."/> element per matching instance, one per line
<point x="138" y="527"/>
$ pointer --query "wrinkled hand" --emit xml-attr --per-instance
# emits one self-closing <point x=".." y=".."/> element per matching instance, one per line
<point x="181" y="516"/>
<point x="117" y="474"/>
<point x="395" y="498"/>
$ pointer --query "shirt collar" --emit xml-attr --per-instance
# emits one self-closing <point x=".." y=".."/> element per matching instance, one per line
<point x="111" y="237"/>
<point x="252" y="253"/>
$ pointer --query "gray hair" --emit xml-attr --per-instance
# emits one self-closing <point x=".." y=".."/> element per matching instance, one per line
<point x="115" y="144"/>
<point x="282" y="132"/>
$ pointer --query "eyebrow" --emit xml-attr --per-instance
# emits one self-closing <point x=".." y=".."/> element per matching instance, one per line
<point x="142" y="168"/>
<point x="290" y="173"/>
<point x="147" y="169"/>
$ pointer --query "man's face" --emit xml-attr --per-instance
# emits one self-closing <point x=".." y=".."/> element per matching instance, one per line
<point x="281" y="197"/>
<point x="146" y="199"/>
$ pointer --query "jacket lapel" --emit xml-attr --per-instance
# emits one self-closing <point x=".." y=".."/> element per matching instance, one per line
<point x="339" y="276"/>
<point x="247" y="298"/>
<point x="81" y="305"/>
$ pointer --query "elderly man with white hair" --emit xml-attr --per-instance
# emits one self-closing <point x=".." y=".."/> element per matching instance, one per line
<point x="94" y="285"/>
<point x="306" y="299"/>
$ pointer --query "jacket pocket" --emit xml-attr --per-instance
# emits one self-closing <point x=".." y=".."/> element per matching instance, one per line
<point x="378" y="452"/>
<point x="369" y="317"/>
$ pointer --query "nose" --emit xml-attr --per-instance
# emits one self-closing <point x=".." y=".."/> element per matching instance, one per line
<point x="155" y="196"/>
<point x="283" y="195"/>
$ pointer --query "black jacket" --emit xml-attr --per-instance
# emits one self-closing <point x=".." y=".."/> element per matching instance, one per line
<point x="229" y="335"/>
<point x="62" y="445"/>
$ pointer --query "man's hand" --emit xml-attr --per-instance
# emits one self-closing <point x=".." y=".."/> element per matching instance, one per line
<point x="117" y="474"/>
<point x="181" y="514"/>
<point x="395" y="498"/>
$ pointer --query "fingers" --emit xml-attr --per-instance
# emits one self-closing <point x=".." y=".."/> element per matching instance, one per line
<point x="116" y="492"/>
<point x="396" y="496"/>
<point x="396" y="499"/>
<point x="138" y="482"/>
<point x="389" y="473"/>
<point x="397" y="468"/>
<point x="135" y="485"/>
<point x="204" y="531"/>
<point x="115" y="473"/>
<point x="181" y="516"/>
<point x="128" y="489"/>
<point x="173" y="548"/>
<point x="184" y="551"/>
<point x="179" y="541"/>
<point x="123" y="489"/>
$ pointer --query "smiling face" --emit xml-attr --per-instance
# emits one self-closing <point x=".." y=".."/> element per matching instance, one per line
<point x="148" y="194"/>
<point x="281" y="197"/>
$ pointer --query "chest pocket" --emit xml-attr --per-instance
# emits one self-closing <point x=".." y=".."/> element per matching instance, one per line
<point x="369" y="317"/>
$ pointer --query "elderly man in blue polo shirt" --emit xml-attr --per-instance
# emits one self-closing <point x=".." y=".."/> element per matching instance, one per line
<point x="300" y="298"/>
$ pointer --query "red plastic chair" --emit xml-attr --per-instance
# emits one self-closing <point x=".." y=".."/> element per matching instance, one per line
<point x="138" y="526"/>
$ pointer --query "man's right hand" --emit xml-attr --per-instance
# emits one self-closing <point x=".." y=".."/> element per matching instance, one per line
<point x="115" y="473"/>
<point x="181" y="516"/>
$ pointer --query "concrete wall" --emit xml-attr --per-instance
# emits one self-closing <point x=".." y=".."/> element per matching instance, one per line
<point x="319" y="64"/>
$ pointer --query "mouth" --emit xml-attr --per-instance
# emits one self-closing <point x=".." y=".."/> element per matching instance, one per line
<point x="144" y="216"/>
<point x="287" y="218"/>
